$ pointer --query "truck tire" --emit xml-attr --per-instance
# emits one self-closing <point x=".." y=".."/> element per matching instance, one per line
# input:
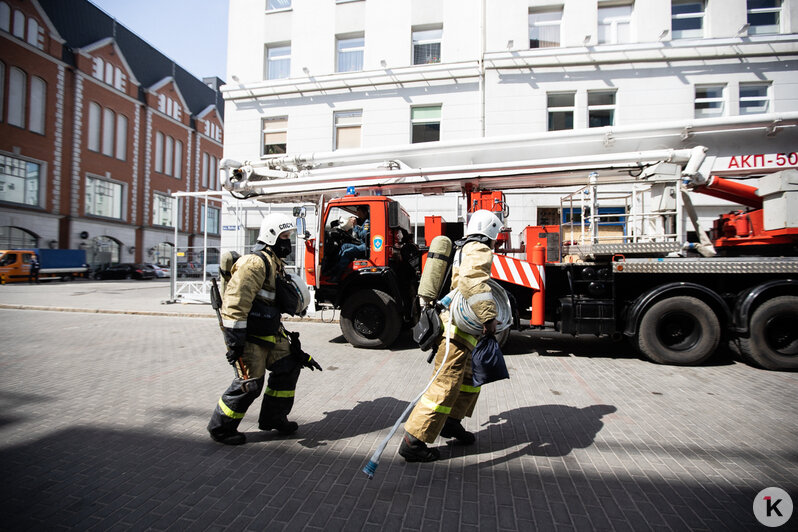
<point x="680" y="330"/>
<point x="773" y="339"/>
<point x="370" y="318"/>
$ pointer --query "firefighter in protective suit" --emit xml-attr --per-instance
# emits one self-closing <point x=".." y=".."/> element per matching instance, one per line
<point x="452" y="395"/>
<point x="256" y="340"/>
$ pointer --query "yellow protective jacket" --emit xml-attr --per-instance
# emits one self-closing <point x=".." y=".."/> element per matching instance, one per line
<point x="470" y="275"/>
<point x="249" y="280"/>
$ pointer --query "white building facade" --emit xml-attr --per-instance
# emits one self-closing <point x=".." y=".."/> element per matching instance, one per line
<point x="326" y="75"/>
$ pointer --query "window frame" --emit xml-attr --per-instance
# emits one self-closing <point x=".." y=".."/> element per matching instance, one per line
<point x="157" y="201"/>
<point x="764" y="10"/>
<point x="203" y="217"/>
<point x="424" y="122"/>
<point x="17" y="97"/>
<point x="270" y="60"/>
<point x="767" y="98"/>
<point x="159" y="149"/>
<point x="614" y="23"/>
<point x="283" y="130"/>
<point x="120" y="140"/>
<point x="550" y="110"/>
<point x="722" y="99"/>
<point x="115" y="205"/>
<point x="418" y="40"/>
<point x="543" y="24"/>
<point x="353" y="113"/>
<point x="355" y="51"/>
<point x="602" y="107"/>
<point x="19" y="168"/>
<point x="271" y="6"/>
<point x="683" y="34"/>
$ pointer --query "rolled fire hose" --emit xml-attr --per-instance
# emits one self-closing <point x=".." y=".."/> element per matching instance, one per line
<point x="464" y="319"/>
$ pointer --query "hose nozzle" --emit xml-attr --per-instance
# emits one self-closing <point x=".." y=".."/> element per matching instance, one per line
<point x="370" y="469"/>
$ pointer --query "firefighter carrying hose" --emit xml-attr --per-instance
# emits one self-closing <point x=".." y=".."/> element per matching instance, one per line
<point x="256" y="295"/>
<point x="452" y="396"/>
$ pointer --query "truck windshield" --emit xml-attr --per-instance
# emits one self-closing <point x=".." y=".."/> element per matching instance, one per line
<point x="8" y="258"/>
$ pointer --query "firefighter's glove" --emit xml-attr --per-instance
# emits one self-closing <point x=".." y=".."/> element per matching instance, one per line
<point x="235" y="340"/>
<point x="489" y="327"/>
<point x="296" y="351"/>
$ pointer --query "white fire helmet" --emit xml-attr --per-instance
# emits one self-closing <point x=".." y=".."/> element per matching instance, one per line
<point x="484" y="222"/>
<point x="302" y="290"/>
<point x="273" y="225"/>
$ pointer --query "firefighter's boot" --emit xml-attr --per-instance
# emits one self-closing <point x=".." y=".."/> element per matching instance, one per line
<point x="454" y="429"/>
<point x="414" y="450"/>
<point x="283" y="426"/>
<point x="229" y="438"/>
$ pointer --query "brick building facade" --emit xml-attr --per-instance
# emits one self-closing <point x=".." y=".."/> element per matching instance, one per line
<point x="97" y="131"/>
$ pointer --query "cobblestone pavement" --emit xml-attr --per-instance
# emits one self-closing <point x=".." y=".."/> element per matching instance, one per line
<point x="102" y="426"/>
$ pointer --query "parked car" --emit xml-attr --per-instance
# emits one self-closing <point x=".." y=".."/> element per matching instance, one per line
<point x="160" y="271"/>
<point x="126" y="270"/>
<point x="189" y="269"/>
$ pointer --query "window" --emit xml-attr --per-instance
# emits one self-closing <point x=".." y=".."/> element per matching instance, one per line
<point x="544" y="29"/>
<point x="710" y="100"/>
<point x="38" y="102"/>
<point x="560" y="107"/>
<point x="213" y="220"/>
<point x="426" y="123"/>
<point x="754" y="98"/>
<point x="427" y="46"/>
<point x="19" y="24"/>
<point x="170" y="107"/>
<point x="178" y="173"/>
<point x="169" y="148"/>
<point x="350" y="55"/>
<point x="33" y="34"/>
<point x="19" y="181"/>
<point x="278" y="62"/>
<point x="5" y="17"/>
<point x="17" y="238"/>
<point x="17" y="83"/>
<point x="212" y="172"/>
<point x="687" y="19"/>
<point x="121" y="137"/>
<point x="764" y="16"/>
<point x="205" y="170"/>
<point x="103" y="198"/>
<point x="275" y="133"/>
<point x="2" y="86"/>
<point x="162" y="210"/>
<point x="159" y="152"/>
<point x="347" y="129"/>
<point x="109" y="123"/>
<point x="600" y="108"/>
<point x="93" y="138"/>
<point x="272" y="5"/>
<point x="614" y="24"/>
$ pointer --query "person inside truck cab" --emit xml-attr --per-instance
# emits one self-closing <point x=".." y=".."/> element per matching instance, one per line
<point x="357" y="227"/>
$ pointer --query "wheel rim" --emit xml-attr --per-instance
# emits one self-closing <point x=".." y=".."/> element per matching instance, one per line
<point x="679" y="331"/>
<point x="368" y="320"/>
<point x="781" y="335"/>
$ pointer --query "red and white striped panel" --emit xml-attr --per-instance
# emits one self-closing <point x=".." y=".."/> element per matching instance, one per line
<point x="516" y="271"/>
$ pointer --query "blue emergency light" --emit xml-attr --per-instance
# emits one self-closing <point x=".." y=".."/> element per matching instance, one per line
<point x="350" y="191"/>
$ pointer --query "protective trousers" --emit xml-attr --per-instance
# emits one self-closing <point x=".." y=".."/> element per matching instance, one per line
<point x="451" y="394"/>
<point x="278" y="399"/>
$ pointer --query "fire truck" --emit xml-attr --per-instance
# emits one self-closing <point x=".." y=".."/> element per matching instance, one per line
<point x="629" y="258"/>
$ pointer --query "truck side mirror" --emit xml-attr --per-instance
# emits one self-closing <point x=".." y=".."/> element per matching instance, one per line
<point x="301" y="228"/>
<point x="393" y="214"/>
<point x="299" y="212"/>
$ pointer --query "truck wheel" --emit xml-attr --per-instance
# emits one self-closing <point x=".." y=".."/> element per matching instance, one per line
<point x="680" y="330"/>
<point x="773" y="340"/>
<point x="370" y="318"/>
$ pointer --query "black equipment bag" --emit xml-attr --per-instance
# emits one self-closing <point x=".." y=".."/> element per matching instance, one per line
<point x="428" y="328"/>
<point x="263" y="319"/>
<point x="487" y="361"/>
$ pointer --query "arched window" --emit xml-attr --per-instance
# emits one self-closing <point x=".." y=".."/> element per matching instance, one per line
<point x="17" y="238"/>
<point x="121" y="137"/>
<point x="19" y="24"/>
<point x="33" y="33"/>
<point x="94" y="127"/>
<point x="17" y="82"/>
<point x="162" y="254"/>
<point x="103" y="251"/>
<point x="2" y="86"/>
<point x="109" y="123"/>
<point x="38" y="104"/>
<point x="5" y="17"/>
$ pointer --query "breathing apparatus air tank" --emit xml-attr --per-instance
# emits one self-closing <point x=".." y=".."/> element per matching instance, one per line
<point x="434" y="275"/>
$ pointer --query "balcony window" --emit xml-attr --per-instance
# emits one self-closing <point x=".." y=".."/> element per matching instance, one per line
<point x="427" y="46"/>
<point x="103" y="198"/>
<point x="19" y="181"/>
<point x="347" y="129"/>
<point x="425" y="123"/>
<point x="687" y="19"/>
<point x="560" y="108"/>
<point x="275" y="133"/>
<point x="764" y="16"/>
<point x="710" y="101"/>
<point x="754" y="98"/>
<point x="614" y="24"/>
<point x="278" y="62"/>
<point x="350" y="55"/>
<point x="544" y="29"/>
<point x="600" y="108"/>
